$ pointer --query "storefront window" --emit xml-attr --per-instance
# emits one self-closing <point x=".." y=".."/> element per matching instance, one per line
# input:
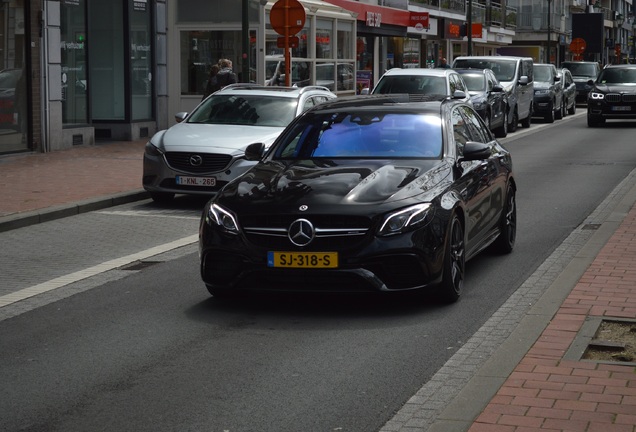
<point x="324" y="39"/>
<point x="141" y="61"/>
<point x="13" y="79"/>
<point x="106" y="61"/>
<point x="345" y="40"/>
<point x="411" y="53"/>
<point x="202" y="49"/>
<point x="73" y="50"/>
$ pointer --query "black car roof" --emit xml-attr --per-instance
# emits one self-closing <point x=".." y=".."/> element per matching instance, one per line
<point x="395" y="101"/>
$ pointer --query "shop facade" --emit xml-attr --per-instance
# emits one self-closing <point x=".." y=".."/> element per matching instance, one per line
<point x="15" y="71"/>
<point x="208" y="30"/>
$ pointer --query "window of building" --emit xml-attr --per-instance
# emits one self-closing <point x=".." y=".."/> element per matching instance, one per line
<point x="73" y="56"/>
<point x="324" y="39"/>
<point x="141" y="61"/>
<point x="202" y="49"/>
<point x="106" y="60"/>
<point x="345" y="40"/>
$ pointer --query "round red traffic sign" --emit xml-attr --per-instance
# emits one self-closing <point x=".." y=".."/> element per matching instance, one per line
<point x="577" y="46"/>
<point x="287" y="14"/>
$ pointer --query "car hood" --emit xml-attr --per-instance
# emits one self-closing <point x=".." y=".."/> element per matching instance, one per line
<point x="281" y="186"/>
<point x="211" y="138"/>
<point x="616" y="88"/>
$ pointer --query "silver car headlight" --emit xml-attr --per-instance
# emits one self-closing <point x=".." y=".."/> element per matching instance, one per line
<point x="403" y="220"/>
<point x="223" y="218"/>
<point x="597" y="96"/>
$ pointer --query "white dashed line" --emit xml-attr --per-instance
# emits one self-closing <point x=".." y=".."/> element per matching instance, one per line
<point x="61" y="281"/>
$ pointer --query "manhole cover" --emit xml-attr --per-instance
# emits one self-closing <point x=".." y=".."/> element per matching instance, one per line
<point x="613" y="341"/>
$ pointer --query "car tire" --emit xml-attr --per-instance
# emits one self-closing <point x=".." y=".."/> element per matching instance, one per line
<point x="162" y="197"/>
<point x="526" y="122"/>
<point x="572" y="110"/>
<point x="450" y="288"/>
<point x="508" y="225"/>
<point x="558" y="114"/>
<point x="549" y="117"/>
<point x="514" y="122"/>
<point x="502" y="131"/>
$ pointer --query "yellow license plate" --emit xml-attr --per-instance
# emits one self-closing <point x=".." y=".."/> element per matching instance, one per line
<point x="303" y="259"/>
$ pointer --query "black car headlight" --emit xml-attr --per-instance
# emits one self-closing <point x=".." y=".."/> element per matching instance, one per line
<point x="596" y="95"/>
<point x="404" y="220"/>
<point x="541" y="92"/>
<point x="224" y="219"/>
<point x="152" y="150"/>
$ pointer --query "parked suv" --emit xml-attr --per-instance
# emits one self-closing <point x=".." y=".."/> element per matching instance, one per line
<point x="613" y="95"/>
<point x="582" y="72"/>
<point x="423" y="83"/>
<point x="548" y="94"/>
<point x="206" y="148"/>
<point x="517" y="77"/>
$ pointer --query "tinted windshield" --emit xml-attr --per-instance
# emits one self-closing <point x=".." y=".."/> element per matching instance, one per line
<point x="581" y="69"/>
<point x="618" y="76"/>
<point x="363" y="135"/>
<point x="245" y="110"/>
<point x="504" y="69"/>
<point x="474" y="82"/>
<point x="543" y="73"/>
<point x="412" y="84"/>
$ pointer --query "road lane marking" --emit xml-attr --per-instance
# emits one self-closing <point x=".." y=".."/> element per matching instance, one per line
<point x="61" y="281"/>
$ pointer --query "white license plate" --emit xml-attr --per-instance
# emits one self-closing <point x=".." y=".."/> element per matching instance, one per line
<point x="621" y="108"/>
<point x="195" y="181"/>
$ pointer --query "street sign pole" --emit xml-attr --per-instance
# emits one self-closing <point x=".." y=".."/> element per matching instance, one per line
<point x="287" y="18"/>
<point x="287" y="51"/>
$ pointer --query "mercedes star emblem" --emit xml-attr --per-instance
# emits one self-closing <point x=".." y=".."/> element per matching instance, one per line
<point x="301" y="232"/>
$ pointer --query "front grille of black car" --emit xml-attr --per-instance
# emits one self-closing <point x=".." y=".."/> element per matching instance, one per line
<point x="617" y="97"/>
<point x="182" y="161"/>
<point x="332" y="232"/>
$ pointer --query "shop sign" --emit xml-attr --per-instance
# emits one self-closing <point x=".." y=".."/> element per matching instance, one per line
<point x="374" y="19"/>
<point x="453" y="29"/>
<point x="419" y="20"/>
<point x="140" y="5"/>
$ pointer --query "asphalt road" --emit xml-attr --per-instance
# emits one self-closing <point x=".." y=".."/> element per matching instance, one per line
<point x="143" y="347"/>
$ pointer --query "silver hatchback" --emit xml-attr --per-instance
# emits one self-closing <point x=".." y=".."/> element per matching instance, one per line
<point x="206" y="148"/>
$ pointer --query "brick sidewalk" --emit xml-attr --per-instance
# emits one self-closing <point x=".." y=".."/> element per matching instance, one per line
<point x="34" y="181"/>
<point x="549" y="393"/>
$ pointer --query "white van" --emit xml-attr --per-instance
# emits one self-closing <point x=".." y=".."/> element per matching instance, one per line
<point x="516" y="76"/>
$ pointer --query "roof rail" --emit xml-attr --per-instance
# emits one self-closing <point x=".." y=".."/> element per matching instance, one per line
<point x="313" y="87"/>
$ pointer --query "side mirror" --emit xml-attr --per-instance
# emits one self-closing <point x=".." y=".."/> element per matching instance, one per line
<point x="557" y="78"/>
<point x="524" y="80"/>
<point x="255" y="152"/>
<point x="458" y="94"/>
<point x="180" y="116"/>
<point x="497" y="88"/>
<point x="364" y="91"/>
<point x="475" y="151"/>
<point x="590" y="82"/>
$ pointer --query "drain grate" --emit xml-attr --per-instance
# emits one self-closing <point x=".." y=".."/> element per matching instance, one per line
<point x="605" y="340"/>
<point x="139" y="265"/>
<point x="591" y="226"/>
